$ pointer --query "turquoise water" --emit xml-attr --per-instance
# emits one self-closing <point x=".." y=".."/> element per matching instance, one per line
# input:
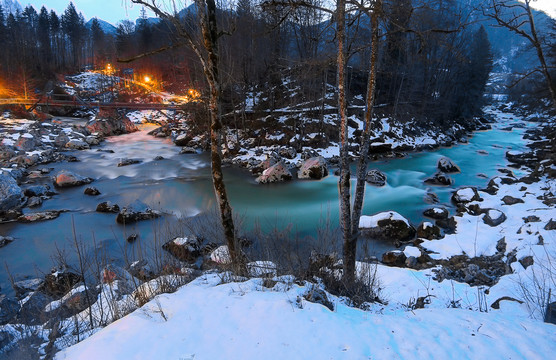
<point x="180" y="185"/>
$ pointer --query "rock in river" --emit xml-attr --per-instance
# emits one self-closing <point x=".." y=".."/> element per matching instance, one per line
<point x="11" y="195"/>
<point x="314" y="168"/>
<point x="68" y="179"/>
<point x="439" y="178"/>
<point x="446" y="165"/>
<point x="136" y="211"/>
<point x="39" y="216"/>
<point x="108" y="207"/>
<point x="276" y="173"/>
<point x="376" y="177"/>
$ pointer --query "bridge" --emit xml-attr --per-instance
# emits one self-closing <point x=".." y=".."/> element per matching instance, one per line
<point x="75" y="101"/>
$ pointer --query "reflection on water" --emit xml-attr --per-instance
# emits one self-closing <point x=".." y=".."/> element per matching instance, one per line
<point x="180" y="186"/>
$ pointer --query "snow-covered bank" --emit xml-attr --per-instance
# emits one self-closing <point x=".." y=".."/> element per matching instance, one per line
<point x="245" y="320"/>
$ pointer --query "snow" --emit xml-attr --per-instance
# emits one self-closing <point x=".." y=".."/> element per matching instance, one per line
<point x="412" y="251"/>
<point x="465" y="194"/>
<point x="372" y="221"/>
<point x="221" y="255"/>
<point x="204" y="320"/>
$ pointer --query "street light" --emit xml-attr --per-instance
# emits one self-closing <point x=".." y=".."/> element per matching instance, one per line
<point x="147" y="79"/>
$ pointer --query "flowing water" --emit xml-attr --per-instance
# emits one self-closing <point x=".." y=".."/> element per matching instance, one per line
<point x="180" y="186"/>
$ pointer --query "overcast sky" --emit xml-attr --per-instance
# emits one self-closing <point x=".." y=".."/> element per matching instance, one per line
<point x="116" y="10"/>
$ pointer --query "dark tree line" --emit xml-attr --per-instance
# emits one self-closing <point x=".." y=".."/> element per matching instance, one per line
<point x="421" y="73"/>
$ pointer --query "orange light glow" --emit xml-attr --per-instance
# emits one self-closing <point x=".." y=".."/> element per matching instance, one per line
<point x="147" y="79"/>
<point x="194" y="93"/>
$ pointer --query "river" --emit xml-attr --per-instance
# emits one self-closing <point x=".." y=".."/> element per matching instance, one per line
<point x="180" y="186"/>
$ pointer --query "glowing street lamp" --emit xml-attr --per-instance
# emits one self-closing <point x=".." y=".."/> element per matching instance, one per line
<point x="147" y="79"/>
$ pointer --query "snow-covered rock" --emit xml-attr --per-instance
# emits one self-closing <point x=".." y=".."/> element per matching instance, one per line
<point x="465" y="195"/>
<point x="387" y="225"/>
<point x="436" y="213"/>
<point x="186" y="248"/>
<point x="494" y="217"/>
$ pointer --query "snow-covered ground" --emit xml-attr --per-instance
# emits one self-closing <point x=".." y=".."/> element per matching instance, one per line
<point x="245" y="320"/>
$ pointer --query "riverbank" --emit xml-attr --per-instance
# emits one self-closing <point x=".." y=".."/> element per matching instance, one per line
<point x="480" y="267"/>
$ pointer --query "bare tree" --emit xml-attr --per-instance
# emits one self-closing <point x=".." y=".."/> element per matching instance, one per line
<point x="207" y="53"/>
<point x="518" y="18"/>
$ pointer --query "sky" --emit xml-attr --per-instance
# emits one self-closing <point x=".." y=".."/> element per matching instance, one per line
<point x="116" y="10"/>
<point x="111" y="11"/>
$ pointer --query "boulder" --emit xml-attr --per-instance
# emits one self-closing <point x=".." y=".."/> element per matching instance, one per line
<point x="494" y="217"/>
<point x="24" y="287"/>
<point x="136" y="211"/>
<point x="526" y="261"/>
<point x="112" y="125"/>
<point x="436" y="213"/>
<point x="439" y="178"/>
<point x="11" y="195"/>
<point x="93" y="140"/>
<point x="449" y="225"/>
<point x="188" y="150"/>
<point x="182" y="139"/>
<point x="550" y="225"/>
<point x="465" y="195"/>
<point x="39" y="216"/>
<point x="92" y="191"/>
<point x="77" y="145"/>
<point x="5" y="240"/>
<point x="387" y="225"/>
<point x="287" y="152"/>
<point x="379" y="147"/>
<point x="8" y="310"/>
<point x="519" y="158"/>
<point x="126" y="162"/>
<point x="531" y="218"/>
<point x="61" y="140"/>
<point x="394" y="258"/>
<point x="495" y="182"/>
<point x="187" y="248"/>
<point x="34" y="201"/>
<point x="376" y="177"/>
<point x="429" y="231"/>
<point x="59" y="282"/>
<point x="26" y="142"/>
<point x="276" y="173"/>
<point x="32" y="310"/>
<point x="68" y="179"/>
<point x="108" y="207"/>
<point x="38" y="190"/>
<point x="510" y="200"/>
<point x="447" y="166"/>
<point x="313" y="168"/>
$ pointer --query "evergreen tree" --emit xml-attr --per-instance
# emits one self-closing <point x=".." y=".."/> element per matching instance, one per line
<point x="74" y="28"/>
<point x="44" y="38"/>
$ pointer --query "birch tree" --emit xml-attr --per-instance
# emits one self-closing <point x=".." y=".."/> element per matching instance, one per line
<point x="207" y="53"/>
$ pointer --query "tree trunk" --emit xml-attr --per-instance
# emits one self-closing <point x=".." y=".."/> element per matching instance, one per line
<point x="344" y="182"/>
<point x="350" y="247"/>
<point x="210" y="38"/>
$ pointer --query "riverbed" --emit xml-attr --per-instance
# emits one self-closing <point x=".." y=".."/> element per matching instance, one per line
<point x="180" y="186"/>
